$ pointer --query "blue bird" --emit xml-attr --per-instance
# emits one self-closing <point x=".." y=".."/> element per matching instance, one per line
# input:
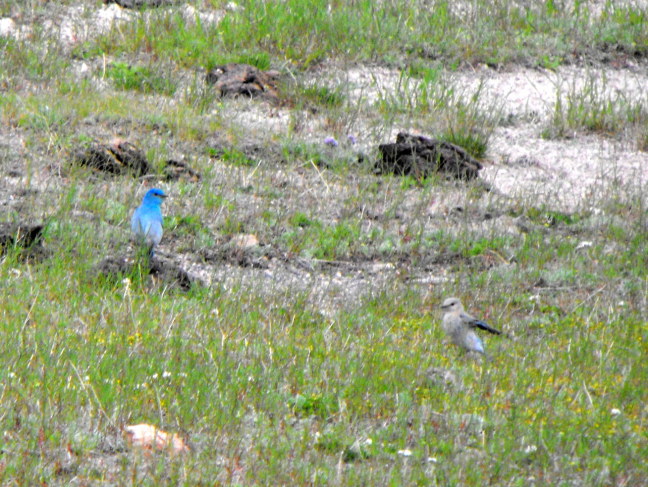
<point x="460" y="326"/>
<point x="147" y="219"/>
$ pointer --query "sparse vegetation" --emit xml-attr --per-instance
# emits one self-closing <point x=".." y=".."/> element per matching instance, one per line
<point x="594" y="107"/>
<point x="313" y="354"/>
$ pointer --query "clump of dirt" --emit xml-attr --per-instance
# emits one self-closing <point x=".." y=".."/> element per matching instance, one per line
<point x="118" y="158"/>
<point x="26" y="236"/>
<point x="421" y="156"/>
<point x="244" y="80"/>
<point x="159" y="269"/>
<point x="20" y="234"/>
<point x="175" y="170"/>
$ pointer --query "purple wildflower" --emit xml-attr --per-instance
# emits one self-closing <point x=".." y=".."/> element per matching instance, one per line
<point x="331" y="142"/>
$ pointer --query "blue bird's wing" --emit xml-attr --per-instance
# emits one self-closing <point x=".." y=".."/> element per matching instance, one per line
<point x="136" y="224"/>
<point x="154" y="232"/>
<point x="147" y="225"/>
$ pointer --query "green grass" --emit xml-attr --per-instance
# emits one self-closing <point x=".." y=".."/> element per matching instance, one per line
<point x="268" y="382"/>
<point x="139" y="78"/>
<point x="595" y="108"/>
<point x="306" y="33"/>
<point x="257" y="379"/>
<point x="325" y="364"/>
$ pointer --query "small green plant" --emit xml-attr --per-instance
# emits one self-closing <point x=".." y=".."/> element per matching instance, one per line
<point x="474" y="142"/>
<point x="185" y="225"/>
<point x="303" y="152"/>
<point x="323" y="242"/>
<point x="314" y="404"/>
<point x="482" y="245"/>
<point x="139" y="78"/>
<point x="236" y="158"/>
<point x="300" y="219"/>
<point x="324" y="96"/>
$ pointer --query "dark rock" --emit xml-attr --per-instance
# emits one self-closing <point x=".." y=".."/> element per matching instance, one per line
<point x="117" y="158"/>
<point x="421" y="156"/>
<point x="174" y="170"/>
<point x="244" y="80"/>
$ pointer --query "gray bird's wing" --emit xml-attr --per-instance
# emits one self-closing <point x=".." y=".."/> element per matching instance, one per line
<point x="475" y="323"/>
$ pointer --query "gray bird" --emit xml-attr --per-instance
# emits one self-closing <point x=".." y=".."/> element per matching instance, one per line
<point x="460" y="326"/>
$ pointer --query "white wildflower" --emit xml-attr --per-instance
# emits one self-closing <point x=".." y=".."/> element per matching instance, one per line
<point x="530" y="449"/>
<point x="584" y="244"/>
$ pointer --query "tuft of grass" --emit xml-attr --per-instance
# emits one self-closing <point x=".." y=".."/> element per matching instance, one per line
<point x="323" y="95"/>
<point x="236" y="158"/>
<point x="314" y="404"/>
<point x="596" y="108"/>
<point x="139" y="78"/>
<point x="457" y="117"/>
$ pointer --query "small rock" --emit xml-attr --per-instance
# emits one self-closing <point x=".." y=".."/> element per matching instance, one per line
<point x="443" y="376"/>
<point x="584" y="244"/>
<point x="245" y="241"/>
<point x="7" y="27"/>
<point x="149" y="437"/>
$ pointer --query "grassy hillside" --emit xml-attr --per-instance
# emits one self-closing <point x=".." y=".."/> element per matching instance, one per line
<point x="317" y="357"/>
